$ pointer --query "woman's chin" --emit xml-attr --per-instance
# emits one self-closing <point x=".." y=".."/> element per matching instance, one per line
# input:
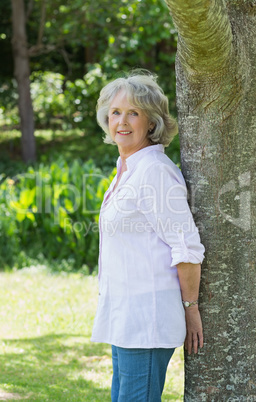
<point x="123" y="139"/>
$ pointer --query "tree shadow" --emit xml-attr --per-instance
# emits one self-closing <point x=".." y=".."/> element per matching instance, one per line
<point x="56" y="368"/>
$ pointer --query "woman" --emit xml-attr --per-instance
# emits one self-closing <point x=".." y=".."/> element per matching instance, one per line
<point x="150" y="250"/>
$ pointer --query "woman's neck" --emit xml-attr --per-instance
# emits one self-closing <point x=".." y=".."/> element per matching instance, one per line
<point x="124" y="154"/>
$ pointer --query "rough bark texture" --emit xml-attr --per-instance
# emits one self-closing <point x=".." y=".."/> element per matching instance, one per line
<point x="22" y="73"/>
<point x="216" y="100"/>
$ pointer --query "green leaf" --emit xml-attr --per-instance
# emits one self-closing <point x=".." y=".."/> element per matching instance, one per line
<point x="30" y="216"/>
<point x="27" y="197"/>
<point x="20" y="216"/>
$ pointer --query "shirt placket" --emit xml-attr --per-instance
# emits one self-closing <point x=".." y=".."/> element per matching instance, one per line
<point x="105" y="199"/>
<point x="100" y="248"/>
<point x="108" y="195"/>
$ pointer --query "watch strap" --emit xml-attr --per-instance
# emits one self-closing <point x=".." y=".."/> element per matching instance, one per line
<point x="188" y="304"/>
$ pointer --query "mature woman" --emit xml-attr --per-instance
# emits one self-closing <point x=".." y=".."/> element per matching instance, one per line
<point x="150" y="250"/>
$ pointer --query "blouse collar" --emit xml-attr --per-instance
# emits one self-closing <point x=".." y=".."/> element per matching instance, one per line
<point x="133" y="159"/>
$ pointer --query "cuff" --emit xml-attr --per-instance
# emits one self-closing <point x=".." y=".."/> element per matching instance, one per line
<point x="181" y="253"/>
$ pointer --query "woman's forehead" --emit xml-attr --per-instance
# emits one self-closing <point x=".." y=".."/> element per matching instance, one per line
<point x="124" y="98"/>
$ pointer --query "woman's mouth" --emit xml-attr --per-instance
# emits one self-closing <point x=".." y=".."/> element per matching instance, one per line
<point x="124" y="132"/>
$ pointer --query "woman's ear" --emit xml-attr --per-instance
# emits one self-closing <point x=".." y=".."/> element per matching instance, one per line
<point x="151" y="127"/>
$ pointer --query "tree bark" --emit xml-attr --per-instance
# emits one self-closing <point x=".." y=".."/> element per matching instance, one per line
<point x="22" y="73"/>
<point x="216" y="87"/>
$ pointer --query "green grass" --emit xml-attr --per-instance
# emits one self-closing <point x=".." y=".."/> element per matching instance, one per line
<point x="45" y="349"/>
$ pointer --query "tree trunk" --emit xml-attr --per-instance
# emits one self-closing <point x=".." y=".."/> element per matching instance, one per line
<point x="216" y="87"/>
<point x="22" y="73"/>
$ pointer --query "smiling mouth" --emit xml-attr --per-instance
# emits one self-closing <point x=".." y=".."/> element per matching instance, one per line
<point x="124" y="132"/>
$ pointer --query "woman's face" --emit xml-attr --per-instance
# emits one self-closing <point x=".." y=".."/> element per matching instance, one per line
<point x="128" y="125"/>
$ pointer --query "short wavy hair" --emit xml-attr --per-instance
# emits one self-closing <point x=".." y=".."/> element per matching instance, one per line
<point x="143" y="92"/>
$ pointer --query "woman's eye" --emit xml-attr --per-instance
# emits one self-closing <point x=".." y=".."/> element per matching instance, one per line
<point x="117" y="113"/>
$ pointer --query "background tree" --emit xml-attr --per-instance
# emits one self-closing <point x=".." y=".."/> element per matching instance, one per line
<point x="22" y="74"/>
<point x="216" y="88"/>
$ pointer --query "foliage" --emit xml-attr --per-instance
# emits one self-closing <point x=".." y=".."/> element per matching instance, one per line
<point x="71" y="144"/>
<point x="115" y="34"/>
<point x="66" y="103"/>
<point x="8" y="102"/>
<point x="52" y="212"/>
<point x="6" y="65"/>
<point x="45" y="349"/>
<point x="85" y="44"/>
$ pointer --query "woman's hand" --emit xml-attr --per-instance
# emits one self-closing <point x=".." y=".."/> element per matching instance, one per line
<point x="194" y="338"/>
<point x="189" y="277"/>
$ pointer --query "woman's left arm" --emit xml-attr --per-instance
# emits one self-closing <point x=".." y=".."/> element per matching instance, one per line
<point x="189" y="277"/>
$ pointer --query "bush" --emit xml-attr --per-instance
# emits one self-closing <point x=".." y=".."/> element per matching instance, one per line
<point x="8" y="102"/>
<point x="68" y="104"/>
<point x="57" y="102"/>
<point x="52" y="213"/>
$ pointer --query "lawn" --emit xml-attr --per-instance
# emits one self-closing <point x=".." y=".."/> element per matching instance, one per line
<point x="45" y="349"/>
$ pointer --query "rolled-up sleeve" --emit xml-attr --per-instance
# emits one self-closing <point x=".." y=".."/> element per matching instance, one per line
<point x="163" y="201"/>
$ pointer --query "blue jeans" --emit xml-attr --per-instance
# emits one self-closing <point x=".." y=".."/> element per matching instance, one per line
<point x="139" y="374"/>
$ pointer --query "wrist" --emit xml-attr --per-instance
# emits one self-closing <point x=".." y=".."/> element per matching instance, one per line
<point x="189" y="304"/>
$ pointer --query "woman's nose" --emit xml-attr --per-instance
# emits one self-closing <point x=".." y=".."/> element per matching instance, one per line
<point x="123" y="119"/>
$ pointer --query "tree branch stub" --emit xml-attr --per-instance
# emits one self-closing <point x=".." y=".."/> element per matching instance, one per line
<point x="205" y="36"/>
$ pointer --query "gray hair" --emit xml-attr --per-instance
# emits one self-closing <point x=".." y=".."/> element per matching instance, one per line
<point x="143" y="92"/>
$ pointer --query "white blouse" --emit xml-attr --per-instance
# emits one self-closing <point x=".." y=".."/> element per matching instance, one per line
<point x="146" y="229"/>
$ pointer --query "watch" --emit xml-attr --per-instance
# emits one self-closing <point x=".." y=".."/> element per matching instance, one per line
<point x="188" y="304"/>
